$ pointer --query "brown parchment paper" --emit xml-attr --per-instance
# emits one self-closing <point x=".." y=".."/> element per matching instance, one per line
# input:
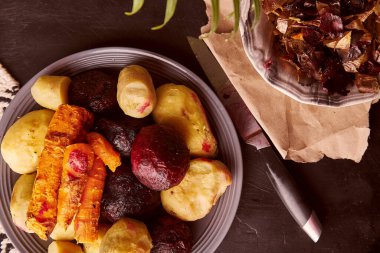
<point x="300" y="132"/>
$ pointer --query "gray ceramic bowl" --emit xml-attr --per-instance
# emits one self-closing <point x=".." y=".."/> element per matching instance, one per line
<point x="209" y="231"/>
<point x="258" y="44"/>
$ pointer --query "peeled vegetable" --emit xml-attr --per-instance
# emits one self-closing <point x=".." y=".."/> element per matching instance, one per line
<point x="127" y="236"/>
<point x="180" y="108"/>
<point x="135" y="91"/>
<point x="95" y="246"/>
<point x="21" y="195"/>
<point x="51" y="91"/>
<point x="24" y="141"/>
<point x="64" y="247"/>
<point x="61" y="234"/>
<point x="204" y="183"/>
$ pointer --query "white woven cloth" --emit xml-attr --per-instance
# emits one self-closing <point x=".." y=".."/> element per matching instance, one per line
<point x="8" y="89"/>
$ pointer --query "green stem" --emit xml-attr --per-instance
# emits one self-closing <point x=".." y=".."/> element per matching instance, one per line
<point x="170" y="9"/>
<point x="236" y="14"/>
<point x="215" y="15"/>
<point x="137" y="4"/>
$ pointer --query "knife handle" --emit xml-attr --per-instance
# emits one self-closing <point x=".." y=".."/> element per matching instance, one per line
<point x="290" y="194"/>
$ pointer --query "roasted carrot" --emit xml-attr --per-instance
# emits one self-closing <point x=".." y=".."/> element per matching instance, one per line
<point x="67" y="125"/>
<point x="87" y="218"/>
<point x="104" y="150"/>
<point x="78" y="159"/>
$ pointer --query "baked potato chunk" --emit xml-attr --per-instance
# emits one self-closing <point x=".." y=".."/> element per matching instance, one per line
<point x="61" y="234"/>
<point x="127" y="236"/>
<point x="64" y="247"/>
<point x="205" y="181"/>
<point x="21" y="195"/>
<point x="51" y="91"/>
<point x="24" y="141"/>
<point x="95" y="246"/>
<point x="135" y="91"/>
<point x="180" y="108"/>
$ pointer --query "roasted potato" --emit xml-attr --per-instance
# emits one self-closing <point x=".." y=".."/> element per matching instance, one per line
<point x="205" y="181"/>
<point x="95" y="246"/>
<point x="135" y="91"/>
<point x="61" y="234"/>
<point x="127" y="236"/>
<point x="21" y="195"/>
<point x="51" y="91"/>
<point x="64" y="247"/>
<point x="24" y="141"/>
<point x="179" y="107"/>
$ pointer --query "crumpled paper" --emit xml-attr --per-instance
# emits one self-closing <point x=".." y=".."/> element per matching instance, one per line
<point x="300" y="132"/>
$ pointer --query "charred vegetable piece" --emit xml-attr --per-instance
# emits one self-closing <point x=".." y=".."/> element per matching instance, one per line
<point x="87" y="218"/>
<point x="67" y="125"/>
<point x="120" y="133"/>
<point x="77" y="161"/>
<point x="104" y="150"/>
<point x="160" y="157"/>
<point x="170" y="234"/>
<point x="125" y="196"/>
<point x="94" y="90"/>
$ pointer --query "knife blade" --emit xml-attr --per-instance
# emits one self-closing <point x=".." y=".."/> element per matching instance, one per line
<point x="252" y="134"/>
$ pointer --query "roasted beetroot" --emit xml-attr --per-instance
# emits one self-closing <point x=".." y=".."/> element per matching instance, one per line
<point x="170" y="235"/>
<point x="125" y="196"/>
<point x="94" y="90"/>
<point x="121" y="131"/>
<point x="160" y="157"/>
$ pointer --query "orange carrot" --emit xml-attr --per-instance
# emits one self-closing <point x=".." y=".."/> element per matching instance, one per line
<point x="78" y="159"/>
<point x="104" y="150"/>
<point x="66" y="126"/>
<point x="87" y="218"/>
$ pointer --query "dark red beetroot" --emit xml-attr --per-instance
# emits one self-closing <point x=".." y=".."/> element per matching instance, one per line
<point x="170" y="234"/>
<point x="125" y="196"/>
<point x="159" y="157"/>
<point x="94" y="90"/>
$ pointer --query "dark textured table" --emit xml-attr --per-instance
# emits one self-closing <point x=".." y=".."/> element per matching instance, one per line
<point x="345" y="194"/>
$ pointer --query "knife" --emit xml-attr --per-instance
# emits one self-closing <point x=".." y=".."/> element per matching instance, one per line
<point x="251" y="132"/>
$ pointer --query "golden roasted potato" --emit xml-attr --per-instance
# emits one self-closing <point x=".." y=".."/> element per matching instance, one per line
<point x="95" y="246"/>
<point x="64" y="247"/>
<point x="60" y="234"/>
<point x="24" y="141"/>
<point x="51" y="91"/>
<point x="180" y="108"/>
<point x="21" y="195"/>
<point x="127" y="236"/>
<point x="205" y="181"/>
<point x="135" y="91"/>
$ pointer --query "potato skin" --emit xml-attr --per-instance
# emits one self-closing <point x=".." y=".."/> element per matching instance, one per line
<point x="159" y="157"/>
<point x="51" y="91"/>
<point x="95" y="246"/>
<point x="61" y="234"/>
<point x="64" y="247"/>
<point x="180" y="108"/>
<point x="135" y="91"/>
<point x="170" y="234"/>
<point x="204" y="183"/>
<point x="125" y="196"/>
<point x="24" y="141"/>
<point x="21" y="195"/>
<point x="123" y="235"/>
